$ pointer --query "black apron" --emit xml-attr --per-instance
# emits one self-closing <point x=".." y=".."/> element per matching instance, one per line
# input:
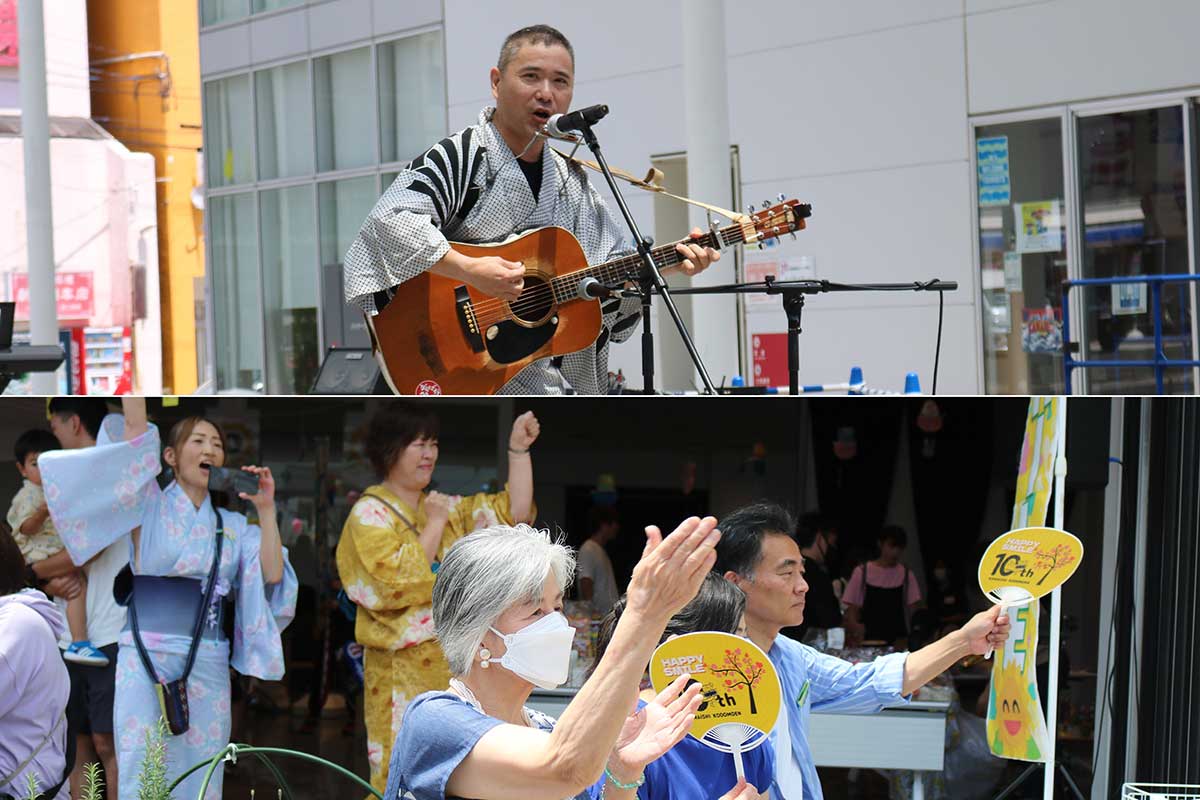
<point x="884" y="611"/>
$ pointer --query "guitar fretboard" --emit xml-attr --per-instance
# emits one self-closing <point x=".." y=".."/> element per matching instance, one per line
<point x="626" y="268"/>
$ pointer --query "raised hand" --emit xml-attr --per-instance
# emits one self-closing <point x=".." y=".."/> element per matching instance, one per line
<point x="525" y="430"/>
<point x="986" y="631"/>
<point x="671" y="570"/>
<point x="658" y="727"/>
<point x="437" y="507"/>
<point x="265" y="499"/>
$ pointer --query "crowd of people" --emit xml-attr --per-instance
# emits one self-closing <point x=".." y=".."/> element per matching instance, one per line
<point x="458" y="606"/>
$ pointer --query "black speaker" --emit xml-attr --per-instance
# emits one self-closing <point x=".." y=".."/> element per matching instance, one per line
<point x="347" y="370"/>
<point x="1088" y="419"/>
<point x="7" y="315"/>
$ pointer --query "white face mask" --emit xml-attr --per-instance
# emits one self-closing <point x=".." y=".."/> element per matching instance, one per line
<point x="540" y="653"/>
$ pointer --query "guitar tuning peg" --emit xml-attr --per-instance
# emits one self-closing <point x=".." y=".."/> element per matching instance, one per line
<point x="750" y="209"/>
<point x="781" y="197"/>
<point x="793" y="235"/>
<point x="766" y="204"/>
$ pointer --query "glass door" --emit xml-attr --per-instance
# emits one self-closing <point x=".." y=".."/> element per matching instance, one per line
<point x="1134" y="203"/>
<point x="1022" y="254"/>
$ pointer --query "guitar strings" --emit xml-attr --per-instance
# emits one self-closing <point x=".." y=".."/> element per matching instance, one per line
<point x="536" y="297"/>
<point x="661" y="257"/>
<point x="664" y="257"/>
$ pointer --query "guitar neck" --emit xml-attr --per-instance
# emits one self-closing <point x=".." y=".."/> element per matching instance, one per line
<point x="627" y="268"/>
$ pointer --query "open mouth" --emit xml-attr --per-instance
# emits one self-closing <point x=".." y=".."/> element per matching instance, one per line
<point x="542" y="115"/>
<point x="204" y="465"/>
<point x="1012" y="726"/>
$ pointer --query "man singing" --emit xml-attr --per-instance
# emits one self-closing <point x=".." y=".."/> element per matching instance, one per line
<point x="487" y="182"/>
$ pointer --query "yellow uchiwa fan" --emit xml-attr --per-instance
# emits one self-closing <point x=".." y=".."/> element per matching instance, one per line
<point x="741" y="689"/>
<point x="1026" y="564"/>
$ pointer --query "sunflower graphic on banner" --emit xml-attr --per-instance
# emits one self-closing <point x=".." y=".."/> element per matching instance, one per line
<point x="1016" y="727"/>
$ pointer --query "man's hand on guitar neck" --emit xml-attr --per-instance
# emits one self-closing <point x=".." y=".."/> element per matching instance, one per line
<point x="491" y="275"/>
<point x="695" y="258"/>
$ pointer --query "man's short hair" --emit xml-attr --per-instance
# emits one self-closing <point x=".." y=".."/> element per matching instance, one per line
<point x="810" y="524"/>
<point x="34" y="441"/>
<point x="533" y="34"/>
<point x="90" y="410"/>
<point x="742" y="533"/>
<point x="600" y="516"/>
<point x="894" y="534"/>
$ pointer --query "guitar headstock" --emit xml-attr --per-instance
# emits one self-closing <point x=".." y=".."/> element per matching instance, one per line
<point x="786" y="216"/>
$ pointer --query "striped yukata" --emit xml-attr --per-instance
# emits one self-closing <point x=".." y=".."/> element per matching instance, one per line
<point x="469" y="188"/>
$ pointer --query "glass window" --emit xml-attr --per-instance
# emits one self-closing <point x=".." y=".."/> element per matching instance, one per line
<point x="412" y="95"/>
<point x="227" y="128"/>
<point x="1023" y="255"/>
<point x="284" y="126"/>
<point x="235" y="300"/>
<point x="345" y="131"/>
<point x="344" y="205"/>
<point x="270" y="5"/>
<point x="290" y="289"/>
<point x="1133" y="189"/>
<point x="214" y="11"/>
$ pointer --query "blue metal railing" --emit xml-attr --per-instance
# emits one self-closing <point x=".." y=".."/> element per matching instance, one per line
<point x="1160" y="362"/>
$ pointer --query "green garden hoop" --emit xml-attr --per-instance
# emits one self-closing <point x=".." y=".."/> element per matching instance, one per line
<point x="232" y="751"/>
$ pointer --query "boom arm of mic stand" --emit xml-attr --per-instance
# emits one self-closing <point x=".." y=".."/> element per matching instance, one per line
<point x="651" y="281"/>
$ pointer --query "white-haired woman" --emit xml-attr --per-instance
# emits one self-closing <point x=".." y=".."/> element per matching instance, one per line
<point x="497" y="611"/>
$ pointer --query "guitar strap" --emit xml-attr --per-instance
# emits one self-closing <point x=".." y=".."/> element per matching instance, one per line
<point x="653" y="183"/>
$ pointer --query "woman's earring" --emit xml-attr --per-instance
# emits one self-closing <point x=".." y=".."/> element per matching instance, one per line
<point x="485" y="657"/>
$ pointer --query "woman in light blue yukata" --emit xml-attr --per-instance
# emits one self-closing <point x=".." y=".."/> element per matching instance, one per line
<point x="100" y="494"/>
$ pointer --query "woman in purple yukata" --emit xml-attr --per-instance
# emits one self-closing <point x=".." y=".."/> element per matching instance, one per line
<point x="99" y="494"/>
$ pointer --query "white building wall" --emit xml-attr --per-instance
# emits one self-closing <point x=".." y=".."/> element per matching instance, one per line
<point x="1024" y="54"/>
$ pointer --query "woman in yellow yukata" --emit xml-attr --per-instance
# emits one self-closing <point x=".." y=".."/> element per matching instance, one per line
<point x="389" y="552"/>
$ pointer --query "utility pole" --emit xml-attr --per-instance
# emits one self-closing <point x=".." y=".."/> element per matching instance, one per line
<point x="39" y="221"/>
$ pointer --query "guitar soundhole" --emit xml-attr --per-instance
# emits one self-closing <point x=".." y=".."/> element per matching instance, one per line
<point x="535" y="304"/>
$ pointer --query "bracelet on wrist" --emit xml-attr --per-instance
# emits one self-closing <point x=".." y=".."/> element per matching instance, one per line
<point x="517" y="452"/>
<point x="641" y="778"/>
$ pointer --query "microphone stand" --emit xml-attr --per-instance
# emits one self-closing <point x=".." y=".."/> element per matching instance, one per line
<point x="794" y="292"/>
<point x="650" y="280"/>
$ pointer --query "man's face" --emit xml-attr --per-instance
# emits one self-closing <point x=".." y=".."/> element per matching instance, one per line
<point x="775" y="595"/>
<point x="68" y="429"/>
<point x="538" y="82"/>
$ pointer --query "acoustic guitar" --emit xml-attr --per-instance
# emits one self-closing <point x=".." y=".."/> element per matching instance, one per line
<point x="438" y="335"/>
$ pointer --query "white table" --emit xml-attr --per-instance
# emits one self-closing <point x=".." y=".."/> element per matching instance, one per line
<point x="909" y="737"/>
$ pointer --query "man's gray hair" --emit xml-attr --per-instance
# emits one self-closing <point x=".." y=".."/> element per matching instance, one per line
<point x="533" y="34"/>
<point x="485" y="574"/>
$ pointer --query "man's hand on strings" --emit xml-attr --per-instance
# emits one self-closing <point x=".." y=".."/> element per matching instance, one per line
<point x="496" y="277"/>
<point x="696" y="258"/>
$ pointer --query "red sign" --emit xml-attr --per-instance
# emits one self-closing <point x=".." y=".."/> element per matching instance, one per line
<point x="8" y="33"/>
<point x="770" y="359"/>
<point x="73" y="291"/>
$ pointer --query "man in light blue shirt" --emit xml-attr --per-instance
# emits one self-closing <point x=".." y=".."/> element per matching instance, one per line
<point x="758" y="553"/>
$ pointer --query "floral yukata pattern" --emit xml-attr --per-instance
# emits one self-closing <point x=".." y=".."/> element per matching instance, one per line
<point x="383" y="569"/>
<point x="98" y="495"/>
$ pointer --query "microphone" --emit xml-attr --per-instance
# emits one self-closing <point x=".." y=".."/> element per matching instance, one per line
<point x="559" y="124"/>
<point x="592" y="289"/>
